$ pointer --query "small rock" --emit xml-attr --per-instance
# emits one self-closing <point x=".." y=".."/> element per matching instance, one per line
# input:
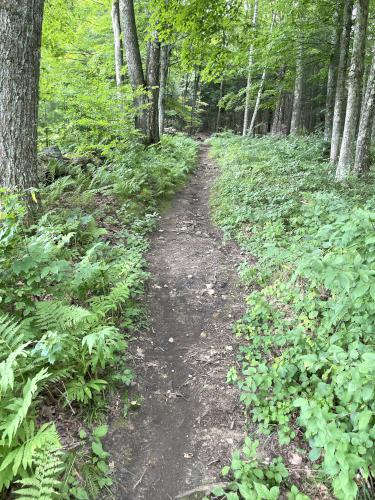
<point x="190" y="276"/>
<point x="171" y="340"/>
<point x="229" y="348"/>
<point x="188" y="455"/>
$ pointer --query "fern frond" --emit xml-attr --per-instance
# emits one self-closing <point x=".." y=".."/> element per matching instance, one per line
<point x="44" y="484"/>
<point x="19" y="407"/>
<point x="52" y="315"/>
<point x="10" y="336"/>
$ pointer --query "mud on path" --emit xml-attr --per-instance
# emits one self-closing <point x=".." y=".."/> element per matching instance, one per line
<point x="190" y="421"/>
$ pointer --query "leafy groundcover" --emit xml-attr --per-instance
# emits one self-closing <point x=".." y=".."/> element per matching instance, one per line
<point x="308" y="362"/>
<point x="70" y="288"/>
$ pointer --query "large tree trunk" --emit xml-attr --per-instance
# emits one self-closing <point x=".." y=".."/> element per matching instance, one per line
<point x="20" y="35"/>
<point x="354" y="91"/>
<point x="116" y="26"/>
<point x="164" y="64"/>
<point x="339" y="107"/>
<point x="249" y="74"/>
<point x="153" y="74"/>
<point x="361" y="162"/>
<point x="295" y="125"/>
<point x="134" y="61"/>
<point x="332" y="75"/>
<point x="282" y="116"/>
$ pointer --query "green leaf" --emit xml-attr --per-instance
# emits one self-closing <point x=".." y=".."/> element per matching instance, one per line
<point x="100" y="431"/>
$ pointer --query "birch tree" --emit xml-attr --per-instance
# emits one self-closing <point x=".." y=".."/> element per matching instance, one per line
<point x="249" y="73"/>
<point x="20" y="35"/>
<point x="116" y="26"/>
<point x="354" y="91"/>
<point x="339" y="107"/>
<point x="361" y="162"/>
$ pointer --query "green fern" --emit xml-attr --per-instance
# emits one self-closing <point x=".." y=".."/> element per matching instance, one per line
<point x="54" y="315"/>
<point x="44" y="484"/>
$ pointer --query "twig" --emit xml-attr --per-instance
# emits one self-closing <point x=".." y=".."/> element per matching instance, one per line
<point x="140" y="479"/>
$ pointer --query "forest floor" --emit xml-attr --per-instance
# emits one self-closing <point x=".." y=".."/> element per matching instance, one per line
<point x="190" y="420"/>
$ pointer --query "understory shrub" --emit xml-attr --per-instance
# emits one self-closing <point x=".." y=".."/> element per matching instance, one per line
<point x="308" y="361"/>
<point x="69" y="299"/>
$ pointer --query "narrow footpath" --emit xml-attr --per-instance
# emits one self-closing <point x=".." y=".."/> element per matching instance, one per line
<point x="190" y="420"/>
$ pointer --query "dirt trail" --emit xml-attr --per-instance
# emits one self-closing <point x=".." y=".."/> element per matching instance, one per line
<point x="190" y="420"/>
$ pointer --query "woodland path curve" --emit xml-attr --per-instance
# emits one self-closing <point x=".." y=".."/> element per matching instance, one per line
<point x="190" y="421"/>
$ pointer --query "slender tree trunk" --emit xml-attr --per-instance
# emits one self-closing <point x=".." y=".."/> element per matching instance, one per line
<point x="194" y="100"/>
<point x="153" y="74"/>
<point x="119" y="60"/>
<point x="332" y="75"/>
<point x="218" y="116"/>
<point x="354" y="91"/>
<point x="134" y="61"/>
<point x="249" y="73"/>
<point x="297" y="96"/>
<point x="164" y="64"/>
<point x="361" y="162"/>
<point x="339" y="107"/>
<point x="20" y="35"/>
<point x="257" y="104"/>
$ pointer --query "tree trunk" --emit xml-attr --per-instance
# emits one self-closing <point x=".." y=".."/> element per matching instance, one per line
<point x="257" y="104"/>
<point x="164" y="64"/>
<point x="194" y="100"/>
<point x="134" y="61"/>
<point x="249" y="71"/>
<point x="339" y="107"/>
<point x="297" y="96"/>
<point x="119" y="60"/>
<point x="218" y="117"/>
<point x="332" y="75"/>
<point x="20" y="35"/>
<point x="361" y="162"/>
<point x="354" y="91"/>
<point x="153" y="74"/>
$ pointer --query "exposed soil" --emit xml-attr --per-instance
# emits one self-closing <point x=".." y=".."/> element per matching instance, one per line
<point x="190" y="420"/>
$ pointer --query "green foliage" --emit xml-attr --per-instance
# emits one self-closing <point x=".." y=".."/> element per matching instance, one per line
<point x="309" y="359"/>
<point x="70" y="289"/>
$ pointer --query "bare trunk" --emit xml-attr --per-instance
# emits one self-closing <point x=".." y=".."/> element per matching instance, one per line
<point x="194" y="100"/>
<point x="257" y="104"/>
<point x="218" y="117"/>
<point x="119" y="60"/>
<point x="249" y="72"/>
<point x="354" y="91"/>
<point x="164" y="63"/>
<point x="332" y="75"/>
<point x="134" y="61"/>
<point x="339" y="107"/>
<point x="361" y="162"/>
<point x="297" y="96"/>
<point x="153" y="73"/>
<point x="20" y="35"/>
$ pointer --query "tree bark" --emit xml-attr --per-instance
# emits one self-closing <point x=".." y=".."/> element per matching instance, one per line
<point x="332" y="75"/>
<point x="153" y="74"/>
<point x="354" y="91"/>
<point x="249" y="73"/>
<point x="20" y="35"/>
<point x="134" y="61"/>
<point x="362" y="160"/>
<point x="194" y="100"/>
<point x="164" y="64"/>
<point x="257" y="104"/>
<point x="116" y="26"/>
<point x="298" y="89"/>
<point x="218" y="116"/>
<point x="339" y="107"/>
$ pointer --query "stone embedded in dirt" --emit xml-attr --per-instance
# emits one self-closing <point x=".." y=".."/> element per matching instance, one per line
<point x="203" y="335"/>
<point x="229" y="348"/>
<point x="171" y="340"/>
<point x="190" y="276"/>
<point x="210" y="291"/>
<point x="188" y="455"/>
<point x="295" y="459"/>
